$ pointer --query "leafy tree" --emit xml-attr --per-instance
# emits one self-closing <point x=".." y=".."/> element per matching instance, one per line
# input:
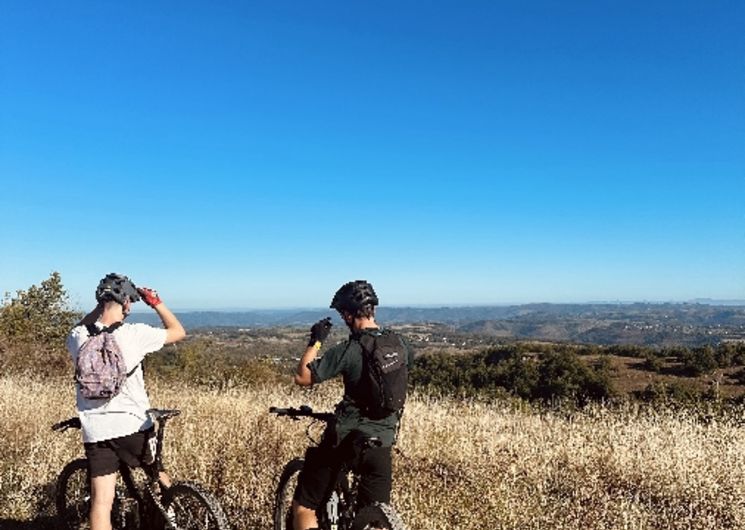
<point x="653" y="363"/>
<point x="700" y="361"/>
<point x="33" y="327"/>
<point x="675" y="392"/>
<point x="564" y="376"/>
<point x="730" y="354"/>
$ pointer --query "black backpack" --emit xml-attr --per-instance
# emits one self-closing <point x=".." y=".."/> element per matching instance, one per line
<point x="385" y="375"/>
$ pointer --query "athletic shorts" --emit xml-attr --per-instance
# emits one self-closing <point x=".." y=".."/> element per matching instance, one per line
<point x="322" y="464"/>
<point x="106" y="456"/>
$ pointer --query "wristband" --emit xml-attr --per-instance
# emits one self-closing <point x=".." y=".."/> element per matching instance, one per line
<point x="317" y="345"/>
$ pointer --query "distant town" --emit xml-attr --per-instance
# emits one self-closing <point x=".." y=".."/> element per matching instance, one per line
<point x="648" y="324"/>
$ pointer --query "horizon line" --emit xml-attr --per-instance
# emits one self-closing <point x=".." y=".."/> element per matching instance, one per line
<point x="701" y="301"/>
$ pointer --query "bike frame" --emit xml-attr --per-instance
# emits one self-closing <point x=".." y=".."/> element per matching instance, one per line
<point x="339" y="506"/>
<point x="148" y="499"/>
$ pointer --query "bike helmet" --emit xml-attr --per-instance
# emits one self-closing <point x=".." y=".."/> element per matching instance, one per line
<point x="354" y="296"/>
<point x="118" y="288"/>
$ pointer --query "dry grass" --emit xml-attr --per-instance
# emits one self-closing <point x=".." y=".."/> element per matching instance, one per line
<point x="462" y="465"/>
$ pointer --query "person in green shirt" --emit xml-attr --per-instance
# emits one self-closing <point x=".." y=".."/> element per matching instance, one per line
<point x="355" y="301"/>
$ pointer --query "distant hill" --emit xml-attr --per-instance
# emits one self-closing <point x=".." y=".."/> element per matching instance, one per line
<point x="634" y="323"/>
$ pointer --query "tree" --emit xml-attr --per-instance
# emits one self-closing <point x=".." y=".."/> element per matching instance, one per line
<point x="33" y="326"/>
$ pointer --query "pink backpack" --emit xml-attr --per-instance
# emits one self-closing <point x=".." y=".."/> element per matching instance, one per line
<point x="100" y="370"/>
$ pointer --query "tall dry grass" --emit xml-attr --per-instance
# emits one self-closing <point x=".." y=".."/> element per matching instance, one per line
<point x="462" y="465"/>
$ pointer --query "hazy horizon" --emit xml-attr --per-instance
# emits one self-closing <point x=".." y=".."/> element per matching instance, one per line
<point x="703" y="301"/>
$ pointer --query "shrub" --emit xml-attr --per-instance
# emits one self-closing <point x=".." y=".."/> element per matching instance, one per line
<point x="33" y="327"/>
<point x="652" y="363"/>
<point x="564" y="376"/>
<point x="675" y="392"/>
<point x="730" y="354"/>
<point x="699" y="361"/>
<point x="504" y="370"/>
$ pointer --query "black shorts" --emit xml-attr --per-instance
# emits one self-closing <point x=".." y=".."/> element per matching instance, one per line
<point x="322" y="465"/>
<point x="106" y="456"/>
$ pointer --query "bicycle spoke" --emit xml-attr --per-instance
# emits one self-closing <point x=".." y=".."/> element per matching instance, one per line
<point x="73" y="496"/>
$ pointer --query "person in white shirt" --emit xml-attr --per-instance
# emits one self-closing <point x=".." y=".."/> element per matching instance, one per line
<point x="122" y="421"/>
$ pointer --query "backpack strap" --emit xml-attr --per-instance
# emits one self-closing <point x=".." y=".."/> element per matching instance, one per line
<point x="367" y="341"/>
<point x="95" y="330"/>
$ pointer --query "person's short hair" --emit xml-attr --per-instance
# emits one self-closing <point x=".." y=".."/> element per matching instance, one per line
<point x="363" y="312"/>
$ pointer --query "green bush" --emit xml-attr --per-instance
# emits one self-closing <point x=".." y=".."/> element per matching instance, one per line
<point x="561" y="375"/>
<point x="652" y="363"/>
<point x="699" y="361"/>
<point x="33" y="326"/>
<point x="675" y="392"/>
<point x="564" y="376"/>
<point x="730" y="354"/>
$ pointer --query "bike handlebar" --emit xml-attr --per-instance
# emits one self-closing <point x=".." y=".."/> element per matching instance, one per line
<point x="161" y="415"/>
<point x="72" y="423"/>
<point x="304" y="411"/>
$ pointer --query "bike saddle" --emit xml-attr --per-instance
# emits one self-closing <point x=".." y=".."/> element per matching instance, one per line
<point x="163" y="414"/>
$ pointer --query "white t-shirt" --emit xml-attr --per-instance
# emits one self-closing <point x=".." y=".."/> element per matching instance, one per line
<point x="125" y="413"/>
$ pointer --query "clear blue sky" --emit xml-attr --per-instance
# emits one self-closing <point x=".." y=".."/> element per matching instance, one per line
<point x="249" y="155"/>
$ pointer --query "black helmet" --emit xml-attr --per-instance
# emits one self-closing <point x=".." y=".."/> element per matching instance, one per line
<point x="354" y="296"/>
<point x="118" y="288"/>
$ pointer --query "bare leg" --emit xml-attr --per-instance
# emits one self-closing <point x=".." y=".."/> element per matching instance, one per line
<point x="164" y="479"/>
<point x="303" y="518"/>
<point x="102" y="498"/>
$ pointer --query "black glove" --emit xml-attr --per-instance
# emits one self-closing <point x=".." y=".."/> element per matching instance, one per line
<point x="319" y="331"/>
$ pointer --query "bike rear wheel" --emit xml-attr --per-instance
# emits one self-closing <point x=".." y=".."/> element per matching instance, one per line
<point x="189" y="507"/>
<point x="378" y="516"/>
<point x="73" y="496"/>
<point x="283" y="496"/>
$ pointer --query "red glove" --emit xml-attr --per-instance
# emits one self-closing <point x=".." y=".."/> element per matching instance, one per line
<point x="149" y="296"/>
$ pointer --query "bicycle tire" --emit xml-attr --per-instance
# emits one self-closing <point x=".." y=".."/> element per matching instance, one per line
<point x="378" y="516"/>
<point x="283" y="497"/>
<point x="190" y="507"/>
<point x="73" y="498"/>
<point x="73" y="495"/>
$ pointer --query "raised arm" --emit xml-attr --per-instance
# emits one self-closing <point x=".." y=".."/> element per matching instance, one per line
<point x="303" y="376"/>
<point x="318" y="334"/>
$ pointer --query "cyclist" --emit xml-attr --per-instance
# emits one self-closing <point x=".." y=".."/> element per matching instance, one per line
<point x="355" y="301"/>
<point x="119" y="428"/>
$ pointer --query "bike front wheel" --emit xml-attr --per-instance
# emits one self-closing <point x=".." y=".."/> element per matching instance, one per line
<point x="283" y="496"/>
<point x="378" y="516"/>
<point x="189" y="507"/>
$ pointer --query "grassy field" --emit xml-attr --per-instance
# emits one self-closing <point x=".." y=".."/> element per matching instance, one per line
<point x="461" y="465"/>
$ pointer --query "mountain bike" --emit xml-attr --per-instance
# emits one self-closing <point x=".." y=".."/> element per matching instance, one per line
<point x="142" y="501"/>
<point x="339" y="509"/>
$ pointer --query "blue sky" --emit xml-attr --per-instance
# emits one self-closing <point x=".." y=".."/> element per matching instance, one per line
<point x="257" y="155"/>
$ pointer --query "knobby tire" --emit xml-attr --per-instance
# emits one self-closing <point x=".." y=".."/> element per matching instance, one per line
<point x="192" y="508"/>
<point x="392" y="519"/>
<point x="73" y="495"/>
<point x="73" y="498"/>
<point x="283" y="496"/>
<point x="378" y="515"/>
